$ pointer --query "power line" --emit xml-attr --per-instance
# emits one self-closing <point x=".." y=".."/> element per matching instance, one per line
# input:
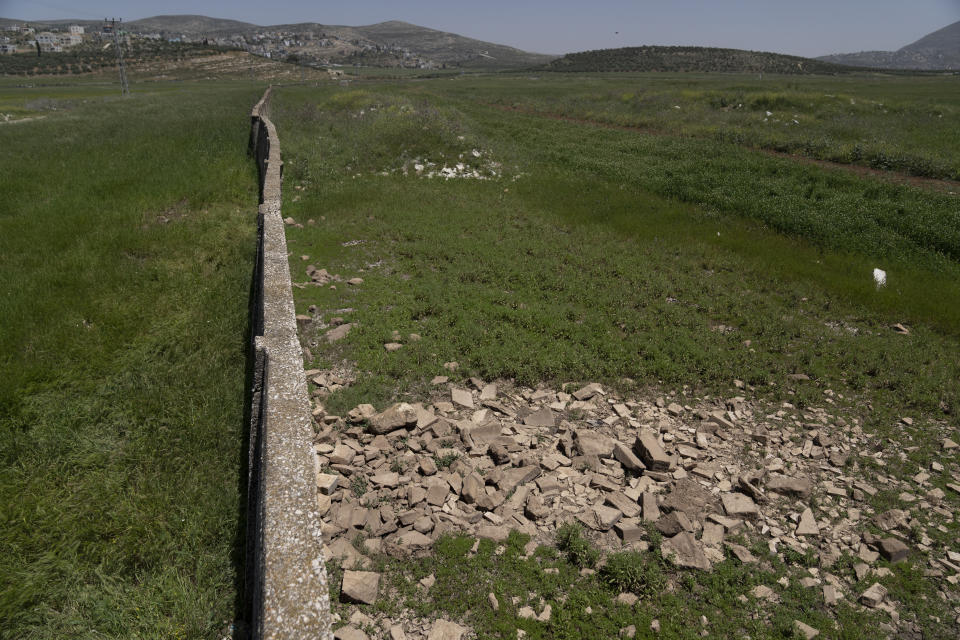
<point x="113" y="26"/>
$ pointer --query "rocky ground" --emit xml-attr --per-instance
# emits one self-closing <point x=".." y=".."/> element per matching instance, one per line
<point x="710" y="475"/>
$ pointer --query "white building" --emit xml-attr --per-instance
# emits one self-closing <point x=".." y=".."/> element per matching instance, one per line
<point x="45" y="37"/>
<point x="69" y="39"/>
<point x="8" y="48"/>
<point x="76" y="30"/>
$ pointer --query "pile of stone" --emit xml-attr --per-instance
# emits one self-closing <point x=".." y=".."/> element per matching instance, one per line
<point x="488" y="458"/>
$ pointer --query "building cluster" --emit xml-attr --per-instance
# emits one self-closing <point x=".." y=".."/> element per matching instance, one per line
<point x="26" y="38"/>
<point x="309" y="47"/>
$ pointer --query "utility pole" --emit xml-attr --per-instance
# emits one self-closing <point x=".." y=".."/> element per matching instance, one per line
<point x="113" y="26"/>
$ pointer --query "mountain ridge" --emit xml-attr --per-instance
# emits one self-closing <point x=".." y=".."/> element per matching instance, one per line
<point x="938" y="50"/>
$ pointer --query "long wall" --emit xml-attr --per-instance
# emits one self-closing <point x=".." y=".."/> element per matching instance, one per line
<point x="286" y="579"/>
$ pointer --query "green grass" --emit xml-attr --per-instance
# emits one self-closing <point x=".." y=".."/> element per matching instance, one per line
<point x="579" y="269"/>
<point x="127" y="242"/>
<point x="596" y="253"/>
<point x="584" y="605"/>
<point x="883" y="122"/>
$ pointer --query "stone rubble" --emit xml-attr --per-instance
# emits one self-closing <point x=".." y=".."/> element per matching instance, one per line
<point x="485" y="458"/>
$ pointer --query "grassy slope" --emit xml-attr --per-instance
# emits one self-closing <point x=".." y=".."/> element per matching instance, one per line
<point x="619" y="254"/>
<point x="123" y="363"/>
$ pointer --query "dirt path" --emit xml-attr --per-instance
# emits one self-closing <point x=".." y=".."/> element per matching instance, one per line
<point x="949" y="187"/>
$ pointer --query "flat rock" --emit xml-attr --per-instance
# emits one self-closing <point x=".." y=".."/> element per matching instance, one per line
<point x="588" y="391"/>
<point x="874" y="596"/>
<point x="600" y="517"/>
<point x="648" y="503"/>
<point x="512" y="478"/>
<point x="741" y="553"/>
<point x="618" y="500"/>
<point x="808" y="524"/>
<point x="806" y="630"/>
<point x="627" y="458"/>
<point x="388" y="479"/>
<point x="338" y="333"/>
<point x="535" y="509"/>
<point x="446" y="630"/>
<point x="541" y="418"/>
<point x="462" y="397"/>
<point x="893" y="550"/>
<point x="396" y="417"/>
<point x="327" y="483"/>
<point x="738" y="505"/>
<point x="630" y="530"/>
<point x="346" y="553"/>
<point x="591" y="443"/>
<point x="800" y="487"/>
<point x="497" y="533"/>
<point x="674" y="523"/>
<point x="652" y="454"/>
<point x="360" y="586"/>
<point x="409" y="542"/>
<point x="349" y="633"/>
<point x="685" y="551"/>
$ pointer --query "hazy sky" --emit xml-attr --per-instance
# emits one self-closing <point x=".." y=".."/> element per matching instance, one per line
<point x="800" y="27"/>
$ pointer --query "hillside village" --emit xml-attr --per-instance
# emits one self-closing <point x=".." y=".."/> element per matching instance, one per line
<point x="314" y="47"/>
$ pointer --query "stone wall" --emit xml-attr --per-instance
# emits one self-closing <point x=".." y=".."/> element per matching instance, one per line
<point x="286" y="580"/>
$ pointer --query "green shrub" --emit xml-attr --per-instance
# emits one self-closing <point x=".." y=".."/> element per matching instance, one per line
<point x="631" y="571"/>
<point x="577" y="549"/>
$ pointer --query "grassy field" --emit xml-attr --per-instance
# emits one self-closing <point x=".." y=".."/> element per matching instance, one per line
<point x="556" y="250"/>
<point x="884" y="122"/>
<point x="127" y="244"/>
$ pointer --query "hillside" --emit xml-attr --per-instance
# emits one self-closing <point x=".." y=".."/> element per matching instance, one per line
<point x="937" y="50"/>
<point x="440" y="47"/>
<point x="699" y="59"/>
<point x="189" y="24"/>
<point x="393" y="43"/>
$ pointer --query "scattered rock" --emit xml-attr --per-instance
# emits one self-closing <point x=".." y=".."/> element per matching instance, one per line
<point x="360" y="586"/>
<point x="338" y="333"/>
<point x="893" y="550"/>
<point x="685" y="551"/>
<point x="808" y="525"/>
<point x="396" y="417"/>
<point x="446" y="630"/>
<point x="874" y="596"/>
<point x="806" y="630"/>
<point x="349" y="633"/>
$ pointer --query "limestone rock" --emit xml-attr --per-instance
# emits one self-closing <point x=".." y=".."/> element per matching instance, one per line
<point x="808" y="524"/>
<point x="446" y="630"/>
<point x="874" y="596"/>
<point x="396" y="417"/>
<point x="360" y="586"/>
<point x="800" y="487"/>
<point x="737" y="504"/>
<point x="349" y="633"/>
<point x="652" y="454"/>
<point x="893" y="550"/>
<point x="627" y="458"/>
<point x="685" y="551"/>
<point x="338" y="333"/>
<point x="591" y="443"/>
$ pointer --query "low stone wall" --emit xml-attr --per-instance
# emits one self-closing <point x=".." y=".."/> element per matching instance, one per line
<point x="286" y="580"/>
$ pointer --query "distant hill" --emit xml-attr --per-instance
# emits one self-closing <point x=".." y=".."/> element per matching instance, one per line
<point x="440" y="46"/>
<point x="383" y="43"/>
<point x="937" y="50"/>
<point x="189" y="25"/>
<point x="696" y="59"/>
